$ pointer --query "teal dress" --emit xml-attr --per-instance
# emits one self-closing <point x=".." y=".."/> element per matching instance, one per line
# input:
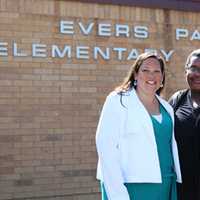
<point x="157" y="191"/>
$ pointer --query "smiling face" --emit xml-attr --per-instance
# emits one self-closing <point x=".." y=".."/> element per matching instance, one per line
<point x="193" y="74"/>
<point x="149" y="77"/>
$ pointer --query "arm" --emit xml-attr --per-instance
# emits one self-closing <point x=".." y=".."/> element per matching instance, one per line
<point x="107" y="139"/>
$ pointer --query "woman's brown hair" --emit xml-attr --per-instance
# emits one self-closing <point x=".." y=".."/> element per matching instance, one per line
<point x="129" y="81"/>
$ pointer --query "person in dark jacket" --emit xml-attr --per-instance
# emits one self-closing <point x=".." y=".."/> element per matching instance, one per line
<point x="186" y="104"/>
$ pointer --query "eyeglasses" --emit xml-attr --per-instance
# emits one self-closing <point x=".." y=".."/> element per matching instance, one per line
<point x="194" y="69"/>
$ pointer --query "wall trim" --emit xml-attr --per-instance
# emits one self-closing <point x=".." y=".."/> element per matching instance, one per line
<point x="183" y="5"/>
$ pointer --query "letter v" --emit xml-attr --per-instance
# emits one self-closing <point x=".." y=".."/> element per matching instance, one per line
<point x="86" y="30"/>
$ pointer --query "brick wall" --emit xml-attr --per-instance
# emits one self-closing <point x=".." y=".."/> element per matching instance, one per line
<point x="49" y="107"/>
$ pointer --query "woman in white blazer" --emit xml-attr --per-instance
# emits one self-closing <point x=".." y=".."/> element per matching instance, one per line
<point x="138" y="157"/>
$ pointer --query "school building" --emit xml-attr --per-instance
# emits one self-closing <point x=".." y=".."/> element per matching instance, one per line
<point x="58" y="61"/>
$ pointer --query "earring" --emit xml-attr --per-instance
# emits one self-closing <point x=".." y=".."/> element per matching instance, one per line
<point x="161" y="85"/>
<point x="135" y="83"/>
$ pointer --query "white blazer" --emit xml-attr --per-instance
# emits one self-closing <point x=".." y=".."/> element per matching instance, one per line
<point x="126" y="145"/>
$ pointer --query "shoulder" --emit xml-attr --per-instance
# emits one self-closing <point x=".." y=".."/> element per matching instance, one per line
<point x="115" y="95"/>
<point x="120" y="99"/>
<point x="177" y="96"/>
<point x="112" y="100"/>
<point x="179" y="93"/>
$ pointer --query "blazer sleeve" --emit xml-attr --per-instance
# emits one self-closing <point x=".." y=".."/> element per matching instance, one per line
<point x="107" y="142"/>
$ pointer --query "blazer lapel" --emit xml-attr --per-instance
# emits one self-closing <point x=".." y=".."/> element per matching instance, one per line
<point x="137" y="115"/>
